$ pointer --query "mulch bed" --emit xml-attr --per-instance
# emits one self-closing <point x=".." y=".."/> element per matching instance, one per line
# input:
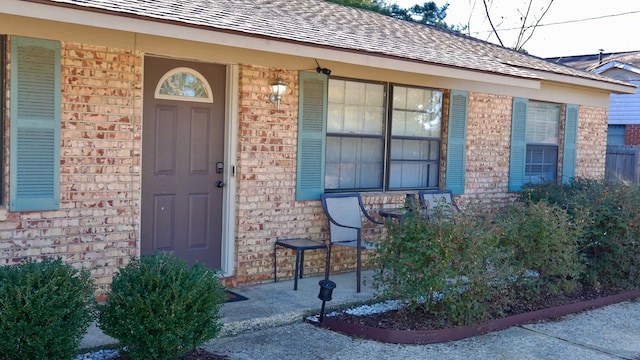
<point x="419" y="327"/>
<point x="403" y="319"/>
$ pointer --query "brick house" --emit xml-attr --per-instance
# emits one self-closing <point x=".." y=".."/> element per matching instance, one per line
<point x="133" y="125"/>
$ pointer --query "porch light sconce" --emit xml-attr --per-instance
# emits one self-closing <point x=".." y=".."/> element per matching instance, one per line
<point x="277" y="90"/>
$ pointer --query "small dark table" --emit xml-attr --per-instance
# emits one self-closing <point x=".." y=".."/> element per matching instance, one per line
<point x="393" y="213"/>
<point x="299" y="245"/>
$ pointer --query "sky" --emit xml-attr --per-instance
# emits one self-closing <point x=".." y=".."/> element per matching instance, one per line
<point x="570" y="27"/>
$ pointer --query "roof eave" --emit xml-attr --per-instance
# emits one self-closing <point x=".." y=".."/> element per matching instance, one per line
<point x="616" y="88"/>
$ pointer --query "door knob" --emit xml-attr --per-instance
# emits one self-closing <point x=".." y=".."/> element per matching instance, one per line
<point x="220" y="183"/>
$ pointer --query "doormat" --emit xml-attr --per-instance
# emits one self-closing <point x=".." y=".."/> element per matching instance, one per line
<point x="230" y="296"/>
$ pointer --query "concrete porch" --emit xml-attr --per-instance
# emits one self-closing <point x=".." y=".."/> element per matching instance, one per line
<point x="272" y="304"/>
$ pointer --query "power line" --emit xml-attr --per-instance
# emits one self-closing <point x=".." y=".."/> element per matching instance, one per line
<point x="591" y="18"/>
<point x="568" y="21"/>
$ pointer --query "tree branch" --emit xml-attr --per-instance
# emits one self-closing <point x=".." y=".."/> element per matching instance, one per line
<point x="495" y="31"/>
<point x="534" y="26"/>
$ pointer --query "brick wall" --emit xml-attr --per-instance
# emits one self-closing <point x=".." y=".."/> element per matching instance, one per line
<point x="265" y="205"/>
<point x="591" y="148"/>
<point x="632" y="135"/>
<point x="488" y="141"/>
<point x="96" y="227"/>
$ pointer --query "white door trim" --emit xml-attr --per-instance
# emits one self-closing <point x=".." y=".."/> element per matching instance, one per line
<point x="230" y="156"/>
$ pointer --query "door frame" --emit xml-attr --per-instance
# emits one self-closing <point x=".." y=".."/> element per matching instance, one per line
<point x="227" y="233"/>
<point x="230" y="156"/>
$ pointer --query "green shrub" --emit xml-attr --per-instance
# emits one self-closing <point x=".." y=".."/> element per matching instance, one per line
<point x="449" y="266"/>
<point x="467" y="268"/>
<point x="559" y="237"/>
<point x="45" y="309"/>
<point x="609" y="215"/>
<point x="544" y="243"/>
<point x="159" y="308"/>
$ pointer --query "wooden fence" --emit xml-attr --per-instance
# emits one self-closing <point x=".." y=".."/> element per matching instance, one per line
<point x="622" y="163"/>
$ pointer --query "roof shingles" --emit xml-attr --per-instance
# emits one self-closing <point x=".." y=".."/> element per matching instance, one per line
<point x="321" y="23"/>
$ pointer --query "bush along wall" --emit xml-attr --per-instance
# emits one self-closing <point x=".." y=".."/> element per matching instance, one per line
<point x="45" y="309"/>
<point x="609" y="217"/>
<point x="159" y="308"/>
<point x="468" y="267"/>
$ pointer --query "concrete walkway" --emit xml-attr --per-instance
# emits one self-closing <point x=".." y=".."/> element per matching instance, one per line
<point x="271" y="305"/>
<point x="270" y="326"/>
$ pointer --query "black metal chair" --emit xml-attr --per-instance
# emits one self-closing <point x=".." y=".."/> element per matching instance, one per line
<point x="344" y="214"/>
<point x="437" y="200"/>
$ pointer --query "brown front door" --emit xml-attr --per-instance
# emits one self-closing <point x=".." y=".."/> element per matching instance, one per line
<point x="182" y="154"/>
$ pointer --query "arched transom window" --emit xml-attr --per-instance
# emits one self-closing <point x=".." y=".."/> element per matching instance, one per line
<point x="184" y="84"/>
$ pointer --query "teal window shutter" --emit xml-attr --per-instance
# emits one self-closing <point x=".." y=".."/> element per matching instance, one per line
<point x="312" y="126"/>
<point x="456" y="142"/>
<point x="569" y="145"/>
<point x="518" y="144"/>
<point x="35" y="125"/>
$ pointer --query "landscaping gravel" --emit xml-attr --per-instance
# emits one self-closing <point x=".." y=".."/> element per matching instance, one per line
<point x="97" y="355"/>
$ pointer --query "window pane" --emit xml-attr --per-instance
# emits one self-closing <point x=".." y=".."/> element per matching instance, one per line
<point x="541" y="164"/>
<point x="336" y="91"/>
<point x="353" y="163"/>
<point x="410" y="123"/>
<point x="399" y="97"/>
<point x="615" y="135"/>
<point x="414" y="164"/>
<point x="543" y="121"/>
<point x="415" y="150"/>
<point x="373" y="120"/>
<point x="355" y="93"/>
<point x="415" y="143"/>
<point x="542" y="134"/>
<point x="407" y="174"/>
<point x="355" y="140"/>
<point x="416" y="112"/>
<point x="355" y="108"/>
<point x="184" y="84"/>
<point x="335" y="118"/>
<point x="375" y="95"/>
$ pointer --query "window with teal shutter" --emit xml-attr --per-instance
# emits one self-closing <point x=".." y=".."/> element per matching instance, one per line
<point x="517" y="156"/>
<point x="570" y="140"/>
<point x="35" y="125"/>
<point x="456" y="142"/>
<point x="358" y="135"/>
<point x="312" y="114"/>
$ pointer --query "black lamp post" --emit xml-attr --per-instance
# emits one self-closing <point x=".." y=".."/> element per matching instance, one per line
<point x="326" y="290"/>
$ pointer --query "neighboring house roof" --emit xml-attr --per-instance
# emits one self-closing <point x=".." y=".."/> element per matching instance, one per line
<point x="625" y="108"/>
<point x="324" y="24"/>
<point x="591" y="62"/>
